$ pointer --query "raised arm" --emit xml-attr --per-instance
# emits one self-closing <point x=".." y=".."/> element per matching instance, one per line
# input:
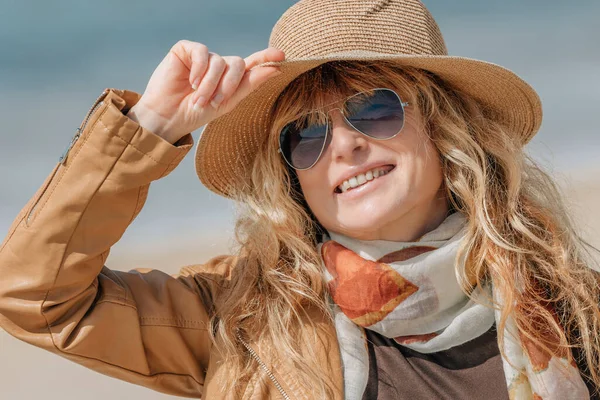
<point x="142" y="326"/>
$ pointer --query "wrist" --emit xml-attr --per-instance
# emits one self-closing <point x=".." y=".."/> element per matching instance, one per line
<point x="151" y="121"/>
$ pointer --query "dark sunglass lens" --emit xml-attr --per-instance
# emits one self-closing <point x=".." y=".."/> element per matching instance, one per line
<point x="302" y="141"/>
<point x="378" y="113"/>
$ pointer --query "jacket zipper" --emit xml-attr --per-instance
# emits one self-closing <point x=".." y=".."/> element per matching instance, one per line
<point x="97" y="103"/>
<point x="265" y="368"/>
<point x="63" y="158"/>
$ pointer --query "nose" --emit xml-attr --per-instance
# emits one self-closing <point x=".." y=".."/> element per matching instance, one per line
<point x="346" y="143"/>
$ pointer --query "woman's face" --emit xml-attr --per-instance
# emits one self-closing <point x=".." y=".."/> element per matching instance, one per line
<point x="402" y="204"/>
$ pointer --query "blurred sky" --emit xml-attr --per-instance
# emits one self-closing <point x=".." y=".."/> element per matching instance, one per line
<point x="56" y="57"/>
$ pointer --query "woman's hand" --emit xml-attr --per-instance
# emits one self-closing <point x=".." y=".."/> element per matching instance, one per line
<point x="192" y="86"/>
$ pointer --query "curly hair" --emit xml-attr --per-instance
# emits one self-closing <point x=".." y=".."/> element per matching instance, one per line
<point x="519" y="233"/>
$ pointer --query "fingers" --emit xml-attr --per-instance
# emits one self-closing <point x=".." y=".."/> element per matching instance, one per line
<point x="200" y="58"/>
<point x="251" y="80"/>
<point x="263" y="56"/>
<point x="216" y="79"/>
<point x="194" y="56"/>
<point x="221" y="81"/>
<point x="234" y="72"/>
<point x="210" y="80"/>
<point x="254" y="77"/>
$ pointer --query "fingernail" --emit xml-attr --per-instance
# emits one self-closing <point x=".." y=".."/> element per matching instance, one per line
<point x="217" y="100"/>
<point x="200" y="102"/>
<point x="195" y="84"/>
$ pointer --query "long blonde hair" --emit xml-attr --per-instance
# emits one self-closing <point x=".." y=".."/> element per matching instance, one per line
<point x="519" y="232"/>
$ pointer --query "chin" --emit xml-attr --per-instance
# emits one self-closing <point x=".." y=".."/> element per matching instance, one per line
<point x="364" y="224"/>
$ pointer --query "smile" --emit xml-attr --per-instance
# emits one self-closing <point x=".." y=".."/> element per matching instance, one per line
<point x="362" y="179"/>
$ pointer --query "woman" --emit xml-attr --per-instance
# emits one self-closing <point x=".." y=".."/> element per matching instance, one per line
<point x="395" y="240"/>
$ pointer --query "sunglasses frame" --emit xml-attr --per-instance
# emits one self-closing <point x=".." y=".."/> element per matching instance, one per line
<point x="402" y="105"/>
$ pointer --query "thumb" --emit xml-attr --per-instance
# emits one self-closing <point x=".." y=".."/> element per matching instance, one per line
<point x="270" y="54"/>
<point x="259" y="75"/>
<point x="256" y="74"/>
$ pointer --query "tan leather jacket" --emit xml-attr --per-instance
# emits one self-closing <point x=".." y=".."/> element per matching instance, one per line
<point x="142" y="326"/>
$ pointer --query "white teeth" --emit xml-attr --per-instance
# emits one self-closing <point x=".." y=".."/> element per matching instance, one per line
<point x="361" y="179"/>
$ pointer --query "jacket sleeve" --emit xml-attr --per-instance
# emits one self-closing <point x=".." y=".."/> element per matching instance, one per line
<point x="142" y="326"/>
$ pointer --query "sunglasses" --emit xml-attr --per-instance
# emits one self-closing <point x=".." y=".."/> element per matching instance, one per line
<point x="377" y="113"/>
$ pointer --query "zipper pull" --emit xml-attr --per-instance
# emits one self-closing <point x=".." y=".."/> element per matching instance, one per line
<point x="63" y="157"/>
<point x="99" y="101"/>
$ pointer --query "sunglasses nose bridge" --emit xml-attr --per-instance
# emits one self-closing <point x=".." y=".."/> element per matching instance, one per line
<point x="346" y="135"/>
<point x="342" y="116"/>
<point x="333" y="109"/>
<point x="343" y="119"/>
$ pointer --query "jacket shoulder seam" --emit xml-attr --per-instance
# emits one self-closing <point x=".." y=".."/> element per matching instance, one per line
<point x="174" y="322"/>
<point x="115" y="300"/>
<point x="182" y="323"/>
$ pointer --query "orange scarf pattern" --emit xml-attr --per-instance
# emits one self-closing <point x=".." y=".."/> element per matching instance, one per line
<point x="408" y="291"/>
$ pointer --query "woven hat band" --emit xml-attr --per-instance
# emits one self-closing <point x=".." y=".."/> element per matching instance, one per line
<point x="315" y="28"/>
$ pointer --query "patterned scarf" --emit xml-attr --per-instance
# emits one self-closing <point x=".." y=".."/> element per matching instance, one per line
<point x="409" y="291"/>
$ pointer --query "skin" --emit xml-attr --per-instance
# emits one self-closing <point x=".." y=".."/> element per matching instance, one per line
<point x="401" y="206"/>
<point x="192" y="86"/>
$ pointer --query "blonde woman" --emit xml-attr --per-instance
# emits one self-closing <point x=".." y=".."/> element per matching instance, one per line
<point x="395" y="239"/>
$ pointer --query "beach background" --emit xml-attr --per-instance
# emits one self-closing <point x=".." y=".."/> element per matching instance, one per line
<point x="57" y="57"/>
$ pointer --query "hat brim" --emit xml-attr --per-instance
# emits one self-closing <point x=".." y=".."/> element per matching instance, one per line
<point x="228" y="144"/>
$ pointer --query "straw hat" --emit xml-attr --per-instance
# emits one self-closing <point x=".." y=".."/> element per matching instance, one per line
<point x="313" y="32"/>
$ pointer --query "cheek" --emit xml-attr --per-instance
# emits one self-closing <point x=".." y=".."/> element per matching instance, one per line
<point x="420" y="170"/>
<point x="314" y="186"/>
<point x="417" y="150"/>
<point x="428" y="168"/>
